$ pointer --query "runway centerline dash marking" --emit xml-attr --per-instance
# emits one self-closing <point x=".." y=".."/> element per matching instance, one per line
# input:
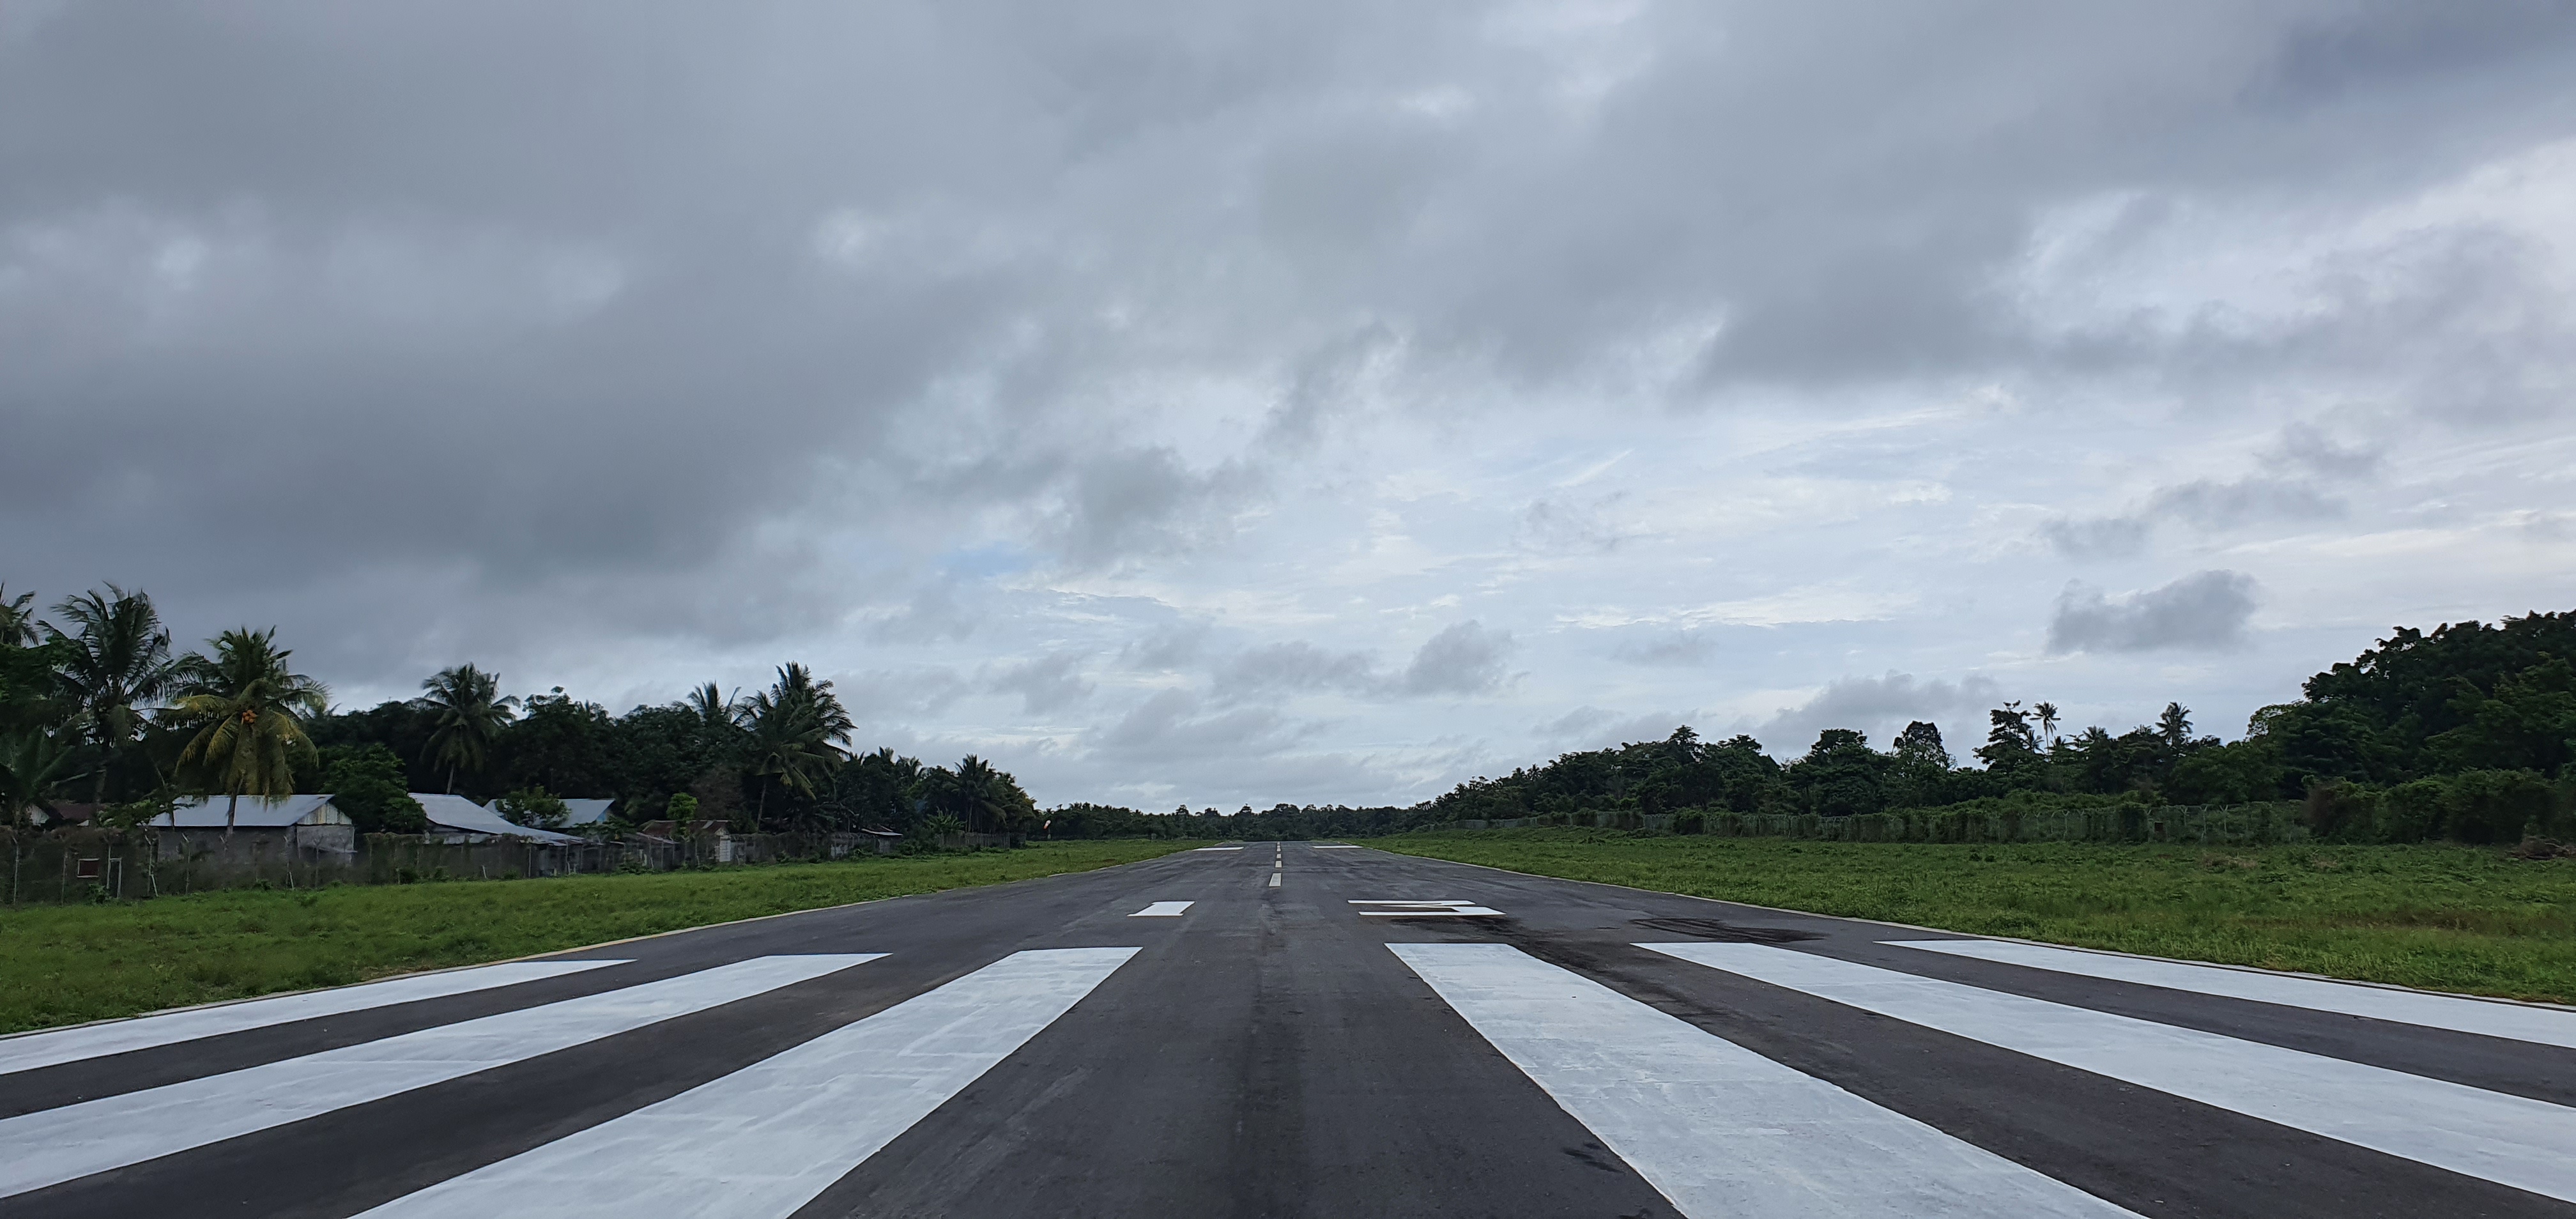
<point x="99" y="1040"/>
<point x="1720" y="1129"/>
<point x="763" y="1141"/>
<point x="2511" y="1140"/>
<point x="55" y="1145"/>
<point x="2545" y="1026"/>
<point x="1162" y="910"/>
<point x="1274" y="880"/>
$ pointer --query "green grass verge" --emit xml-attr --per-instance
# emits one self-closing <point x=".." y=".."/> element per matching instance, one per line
<point x="2444" y="917"/>
<point x="65" y="964"/>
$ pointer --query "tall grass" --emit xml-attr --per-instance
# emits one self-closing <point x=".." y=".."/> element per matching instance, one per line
<point x="2441" y="916"/>
<point x="66" y="964"/>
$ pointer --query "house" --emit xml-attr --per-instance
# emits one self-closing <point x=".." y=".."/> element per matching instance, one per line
<point x="457" y="819"/>
<point x="307" y="824"/>
<point x="586" y="812"/>
<point x="63" y="815"/>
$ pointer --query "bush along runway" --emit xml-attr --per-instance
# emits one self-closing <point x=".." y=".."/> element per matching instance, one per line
<point x="1260" y="1029"/>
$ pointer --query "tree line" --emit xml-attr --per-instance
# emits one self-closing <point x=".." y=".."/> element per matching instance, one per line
<point x="2466" y="731"/>
<point x="96" y="706"/>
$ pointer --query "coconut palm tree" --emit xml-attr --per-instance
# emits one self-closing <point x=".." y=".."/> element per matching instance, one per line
<point x="17" y="619"/>
<point x="469" y="713"/>
<point x="116" y="664"/>
<point x="713" y="709"/>
<point x="248" y="710"/>
<point x="2047" y="713"/>
<point x="32" y="761"/>
<point x="797" y="728"/>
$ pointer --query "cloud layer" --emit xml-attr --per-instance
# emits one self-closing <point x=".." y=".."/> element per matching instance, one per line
<point x="1234" y="403"/>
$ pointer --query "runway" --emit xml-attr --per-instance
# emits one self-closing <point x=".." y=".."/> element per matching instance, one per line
<point x="1309" y="1030"/>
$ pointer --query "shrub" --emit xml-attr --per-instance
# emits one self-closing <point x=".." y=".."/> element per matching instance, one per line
<point x="2498" y="805"/>
<point x="2343" y="812"/>
<point x="2412" y="812"/>
<point x="534" y="807"/>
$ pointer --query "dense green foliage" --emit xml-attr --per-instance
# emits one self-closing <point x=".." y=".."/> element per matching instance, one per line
<point x="2440" y="916"/>
<point x="61" y="964"/>
<point x="2466" y="732"/>
<point x="102" y="708"/>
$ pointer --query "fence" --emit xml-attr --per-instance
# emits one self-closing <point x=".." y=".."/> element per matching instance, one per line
<point x="2205" y="824"/>
<point x="77" y="865"/>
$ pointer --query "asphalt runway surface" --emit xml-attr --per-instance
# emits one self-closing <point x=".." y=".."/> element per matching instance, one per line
<point x="1305" y="1030"/>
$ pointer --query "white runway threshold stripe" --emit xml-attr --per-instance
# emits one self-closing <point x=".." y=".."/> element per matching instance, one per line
<point x="56" y="1145"/>
<point x="143" y="1032"/>
<point x="1163" y="910"/>
<point x="763" y="1141"/>
<point x="1720" y="1129"/>
<point x="2510" y="1140"/>
<point x="2541" y="1025"/>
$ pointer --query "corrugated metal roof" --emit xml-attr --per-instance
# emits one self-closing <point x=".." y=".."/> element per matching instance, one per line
<point x="207" y="813"/>
<point x="459" y="813"/>
<point x="586" y="812"/>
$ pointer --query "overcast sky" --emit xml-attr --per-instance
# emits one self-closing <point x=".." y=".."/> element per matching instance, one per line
<point x="1304" y="402"/>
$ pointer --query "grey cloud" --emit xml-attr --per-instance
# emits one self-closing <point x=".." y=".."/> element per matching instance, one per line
<point x="2204" y="610"/>
<point x="1144" y="501"/>
<point x="934" y="612"/>
<point x="2208" y="504"/>
<point x="2204" y="504"/>
<point x="1048" y="683"/>
<point x="2309" y="447"/>
<point x="1574" y="524"/>
<point x="1463" y="659"/>
<point x="1167" y="648"/>
<point x="2103" y="537"/>
<point x="1666" y="647"/>
<point x="895" y="697"/>
<point x="1595" y="728"/>
<point x="1876" y="706"/>
<point x="1170" y="724"/>
<point x="1298" y="665"/>
<point x="661" y="338"/>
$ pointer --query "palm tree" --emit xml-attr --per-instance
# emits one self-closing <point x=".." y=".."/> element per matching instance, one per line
<point x="714" y="710"/>
<point x="470" y="714"/>
<point x="248" y="710"/>
<point x="797" y="728"/>
<point x="118" y="663"/>
<point x="32" y="761"/>
<point x="2047" y="713"/>
<point x="17" y="620"/>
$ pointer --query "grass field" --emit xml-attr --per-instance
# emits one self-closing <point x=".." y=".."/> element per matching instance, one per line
<point x="65" y="964"/>
<point x="2445" y="917"/>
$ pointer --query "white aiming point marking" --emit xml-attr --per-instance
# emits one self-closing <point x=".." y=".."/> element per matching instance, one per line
<point x="1426" y="910"/>
<point x="1162" y="910"/>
